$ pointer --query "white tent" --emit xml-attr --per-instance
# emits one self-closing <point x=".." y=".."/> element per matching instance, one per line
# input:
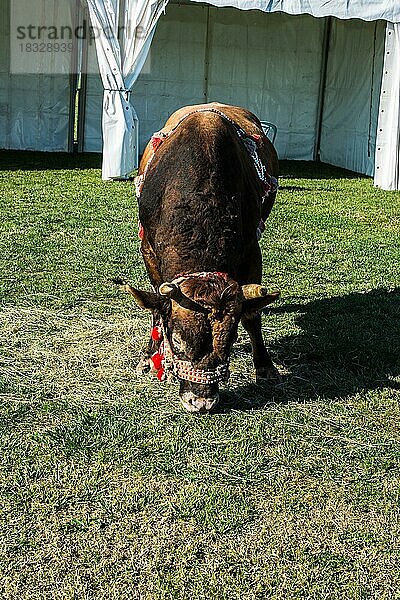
<point x="326" y="72"/>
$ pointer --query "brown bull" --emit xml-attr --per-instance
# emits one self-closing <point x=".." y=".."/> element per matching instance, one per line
<point x="206" y="184"/>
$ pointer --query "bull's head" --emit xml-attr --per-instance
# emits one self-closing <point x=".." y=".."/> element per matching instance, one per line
<point x="200" y="317"/>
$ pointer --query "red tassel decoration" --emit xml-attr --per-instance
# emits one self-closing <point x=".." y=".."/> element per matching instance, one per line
<point x="141" y="231"/>
<point x="157" y="360"/>
<point x="161" y="374"/>
<point x="156" y="334"/>
<point x="156" y="141"/>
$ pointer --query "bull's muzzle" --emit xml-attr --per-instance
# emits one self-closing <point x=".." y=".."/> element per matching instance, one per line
<point x="197" y="404"/>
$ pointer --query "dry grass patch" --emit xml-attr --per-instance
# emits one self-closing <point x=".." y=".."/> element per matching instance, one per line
<point x="58" y="353"/>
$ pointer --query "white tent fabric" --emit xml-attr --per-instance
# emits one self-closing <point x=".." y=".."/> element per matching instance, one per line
<point x="246" y="57"/>
<point x="351" y="98"/>
<point x="369" y="10"/>
<point x="172" y="78"/>
<point x="232" y="74"/>
<point x="387" y="157"/>
<point x="388" y="135"/>
<point x="270" y="63"/>
<point x="35" y="94"/>
<point x="121" y="54"/>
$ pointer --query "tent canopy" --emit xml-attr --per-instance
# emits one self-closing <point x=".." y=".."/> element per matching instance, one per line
<point x="368" y="10"/>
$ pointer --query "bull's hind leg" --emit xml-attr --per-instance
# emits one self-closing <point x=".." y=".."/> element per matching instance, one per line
<point x="265" y="368"/>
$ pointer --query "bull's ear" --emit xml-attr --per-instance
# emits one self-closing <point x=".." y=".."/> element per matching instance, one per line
<point x="144" y="299"/>
<point x="257" y="303"/>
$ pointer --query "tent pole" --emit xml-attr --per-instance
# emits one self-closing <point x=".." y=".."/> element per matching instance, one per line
<point x="121" y="23"/>
<point x="371" y="102"/>
<point x="206" y="55"/>
<point x="83" y="86"/>
<point x="73" y="80"/>
<point x="322" y="86"/>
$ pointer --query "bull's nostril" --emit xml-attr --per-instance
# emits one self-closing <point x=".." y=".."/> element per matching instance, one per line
<point x="197" y="404"/>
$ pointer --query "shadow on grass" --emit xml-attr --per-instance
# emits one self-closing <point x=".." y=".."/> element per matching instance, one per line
<point x="348" y="344"/>
<point x="21" y="160"/>
<point x="302" y="169"/>
<point x="24" y="160"/>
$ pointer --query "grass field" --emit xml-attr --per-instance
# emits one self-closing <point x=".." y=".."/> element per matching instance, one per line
<point x="110" y="490"/>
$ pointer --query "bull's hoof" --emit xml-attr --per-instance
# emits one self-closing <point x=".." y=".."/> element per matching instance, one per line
<point x="143" y="366"/>
<point x="194" y="404"/>
<point x="268" y="374"/>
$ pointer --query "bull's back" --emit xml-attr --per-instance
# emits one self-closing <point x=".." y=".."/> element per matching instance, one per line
<point x="200" y="205"/>
<point x="241" y="116"/>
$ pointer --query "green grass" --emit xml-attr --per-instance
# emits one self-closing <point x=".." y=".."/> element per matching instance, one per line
<point x="110" y="490"/>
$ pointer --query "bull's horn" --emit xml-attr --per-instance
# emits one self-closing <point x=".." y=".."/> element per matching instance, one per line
<point x="174" y="292"/>
<point x="253" y="290"/>
<point x="171" y="290"/>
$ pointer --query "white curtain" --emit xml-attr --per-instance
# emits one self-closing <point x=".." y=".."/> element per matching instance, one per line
<point x="387" y="153"/>
<point x="121" y="55"/>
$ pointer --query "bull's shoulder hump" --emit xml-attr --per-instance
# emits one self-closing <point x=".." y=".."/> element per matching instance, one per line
<point x="243" y="117"/>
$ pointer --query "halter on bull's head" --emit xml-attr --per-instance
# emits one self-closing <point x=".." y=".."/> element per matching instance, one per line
<point x="198" y="315"/>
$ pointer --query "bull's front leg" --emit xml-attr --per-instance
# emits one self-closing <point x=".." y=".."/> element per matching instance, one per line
<point x="153" y="269"/>
<point x="265" y="368"/>
<point x="153" y="345"/>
